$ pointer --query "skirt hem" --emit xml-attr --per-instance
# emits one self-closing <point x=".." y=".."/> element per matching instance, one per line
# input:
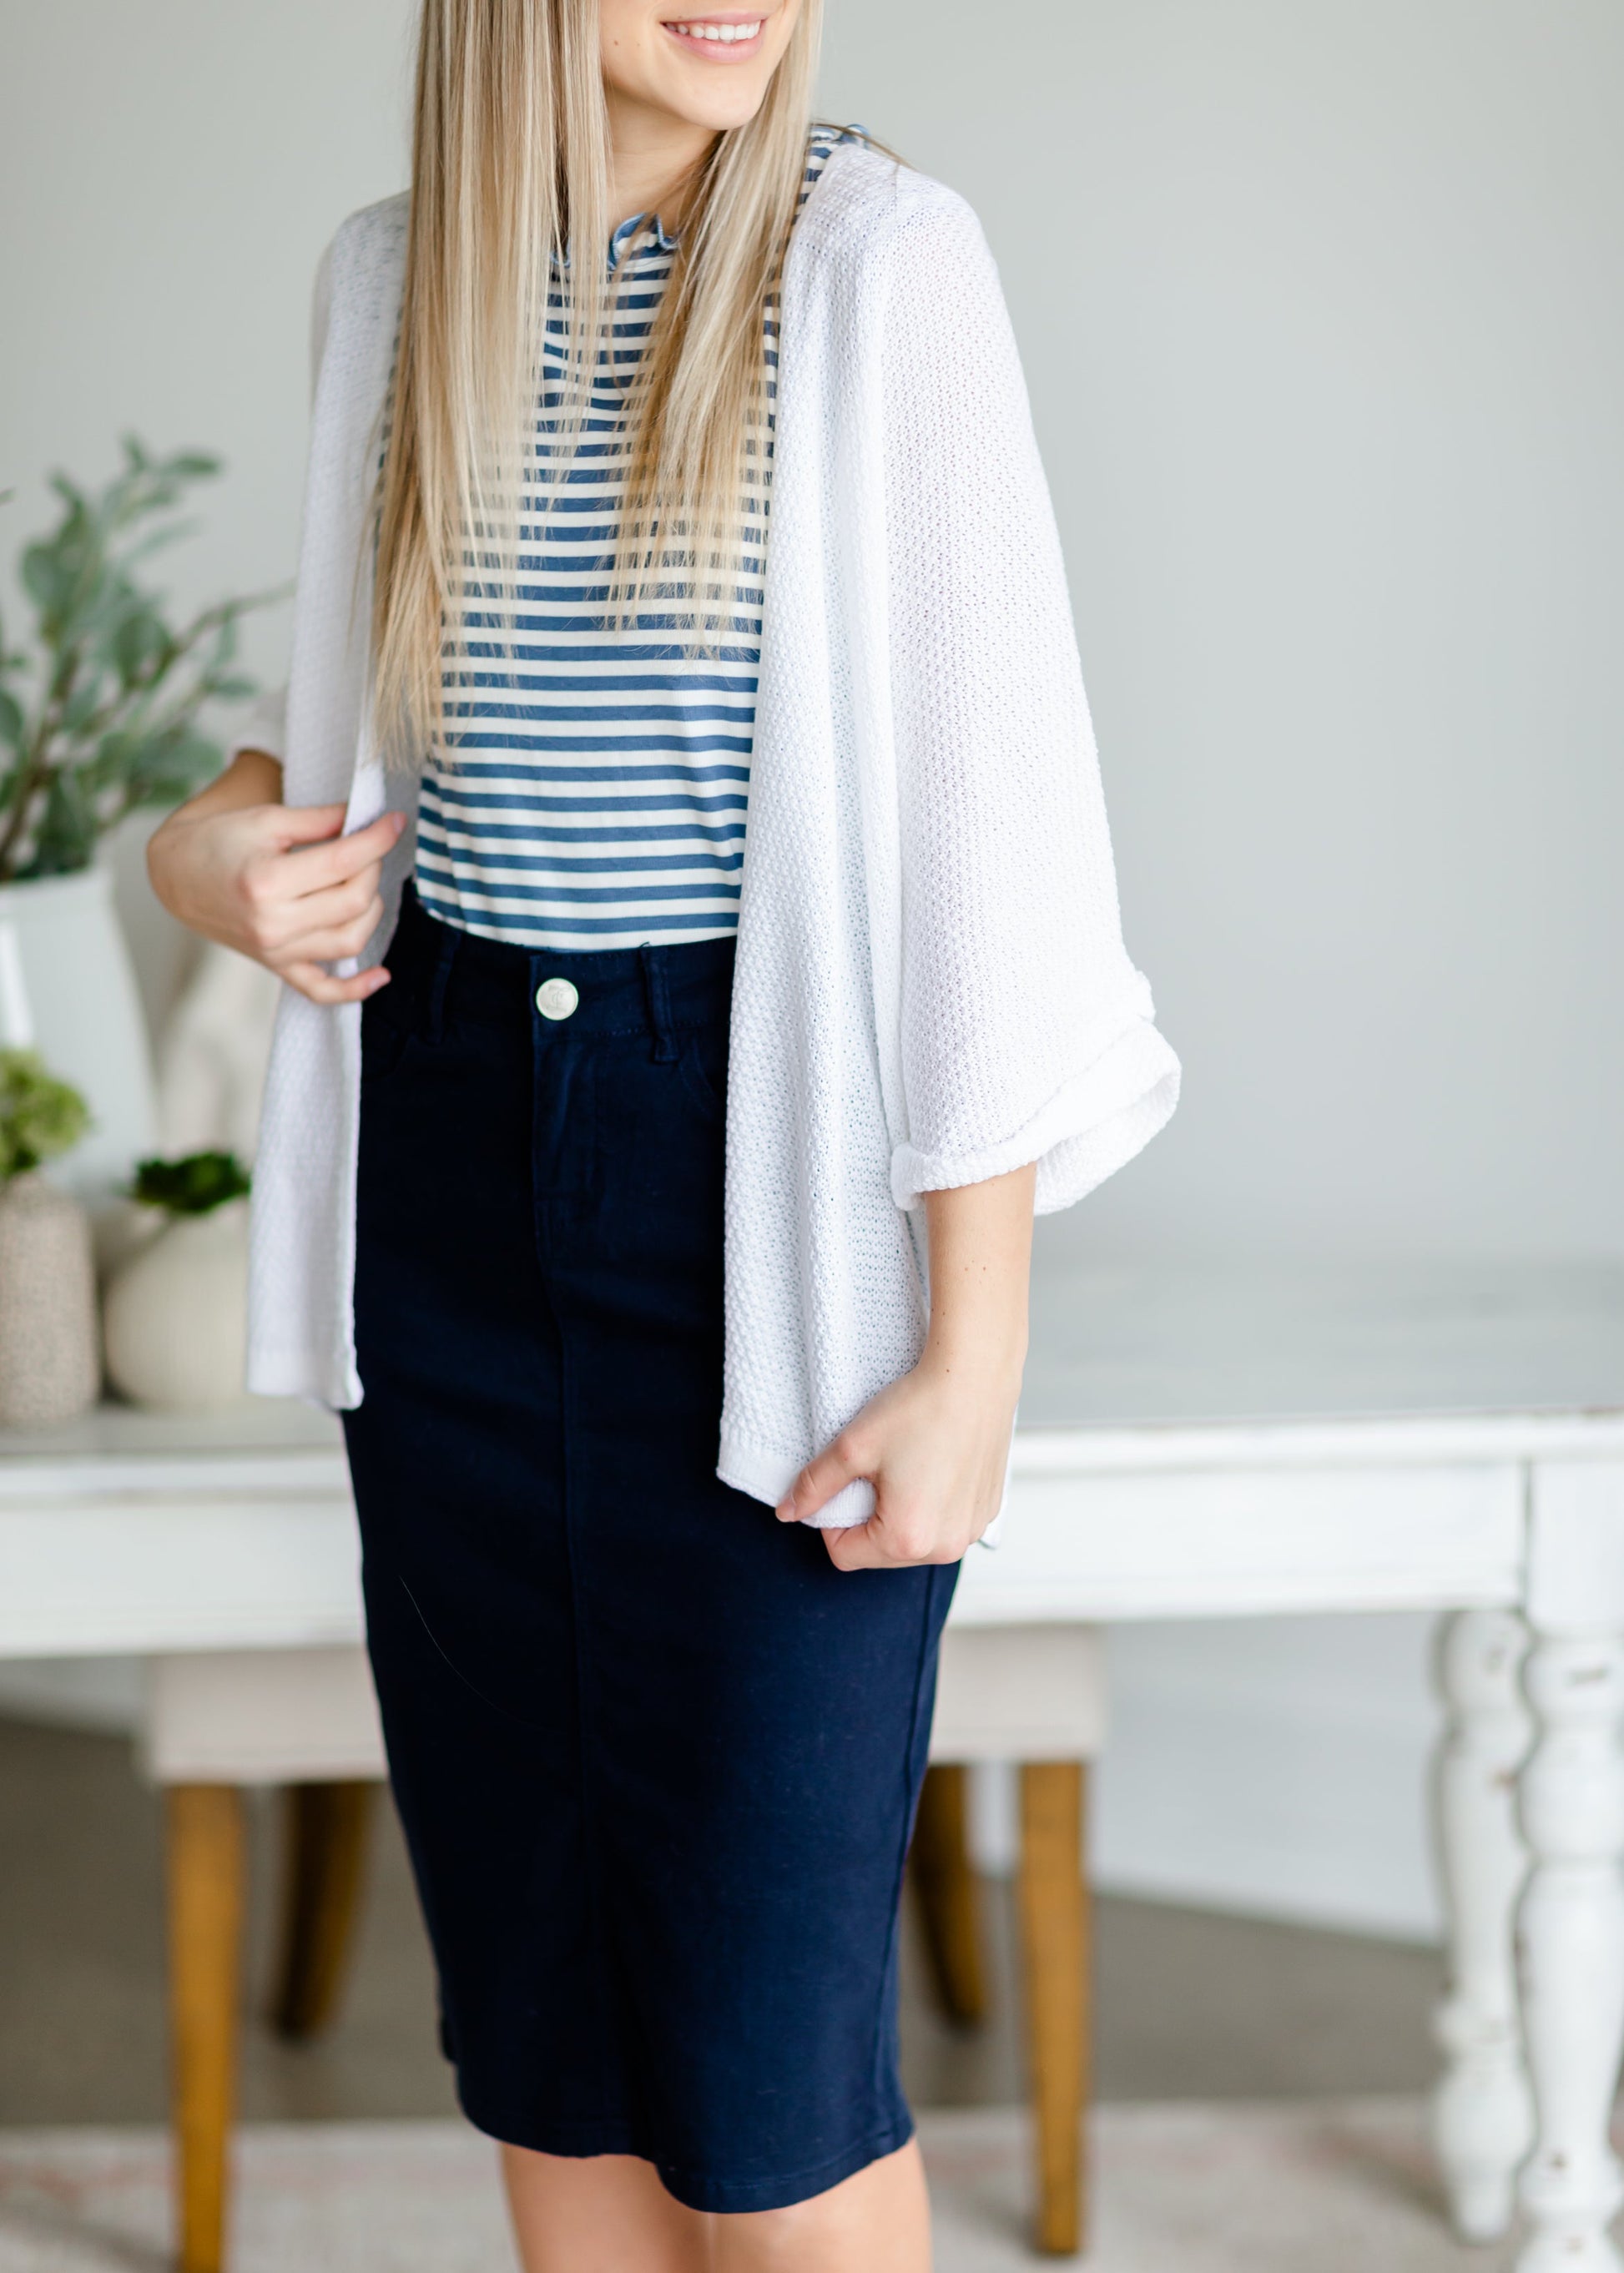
<point x="696" y="2190"/>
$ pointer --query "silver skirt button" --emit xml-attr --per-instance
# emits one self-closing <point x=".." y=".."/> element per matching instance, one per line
<point x="558" y="998"/>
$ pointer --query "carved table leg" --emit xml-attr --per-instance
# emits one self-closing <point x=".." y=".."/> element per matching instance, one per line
<point x="1570" y="1949"/>
<point x="1483" y="2118"/>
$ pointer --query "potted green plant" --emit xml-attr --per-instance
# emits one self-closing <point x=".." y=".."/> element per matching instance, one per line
<point x="176" y="1320"/>
<point x="49" y="1362"/>
<point x="102" y="711"/>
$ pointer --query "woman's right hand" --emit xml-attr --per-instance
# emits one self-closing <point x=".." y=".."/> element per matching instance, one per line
<point x="280" y="883"/>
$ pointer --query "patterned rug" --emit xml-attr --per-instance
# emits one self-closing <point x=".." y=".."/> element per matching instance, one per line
<point x="1338" y="2186"/>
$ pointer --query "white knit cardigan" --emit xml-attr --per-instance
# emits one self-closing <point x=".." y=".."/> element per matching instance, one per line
<point x="931" y="986"/>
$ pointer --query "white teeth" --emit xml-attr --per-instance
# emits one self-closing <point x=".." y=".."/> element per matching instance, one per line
<point x="726" y="32"/>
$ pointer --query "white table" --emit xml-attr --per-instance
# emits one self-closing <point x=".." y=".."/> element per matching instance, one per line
<point x="1189" y="1444"/>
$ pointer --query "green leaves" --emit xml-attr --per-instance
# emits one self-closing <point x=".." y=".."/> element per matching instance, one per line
<point x="140" y="644"/>
<point x="40" y="1116"/>
<point x="202" y="1181"/>
<point x="155" y="766"/>
<point x="111" y="719"/>
<point x="65" y="830"/>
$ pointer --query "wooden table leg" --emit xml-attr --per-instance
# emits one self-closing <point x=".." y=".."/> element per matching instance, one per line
<point x="207" y="1874"/>
<point x="328" y="1829"/>
<point x="1054" y="1916"/>
<point x="949" y="1898"/>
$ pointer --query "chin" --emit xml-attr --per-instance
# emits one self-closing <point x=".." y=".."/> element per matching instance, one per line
<point x="720" y="110"/>
<point x="718" y="99"/>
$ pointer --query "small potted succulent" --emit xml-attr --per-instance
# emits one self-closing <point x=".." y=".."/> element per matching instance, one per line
<point x="102" y="711"/>
<point x="49" y="1361"/>
<point x="176" y="1320"/>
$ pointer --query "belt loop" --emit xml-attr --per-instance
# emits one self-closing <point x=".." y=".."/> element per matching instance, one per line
<point x="658" y="998"/>
<point x="434" y="1008"/>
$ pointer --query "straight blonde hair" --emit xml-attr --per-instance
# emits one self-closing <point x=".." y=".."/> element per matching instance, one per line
<point x="510" y="170"/>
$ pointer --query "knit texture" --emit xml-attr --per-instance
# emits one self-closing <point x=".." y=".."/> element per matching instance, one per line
<point x="931" y="985"/>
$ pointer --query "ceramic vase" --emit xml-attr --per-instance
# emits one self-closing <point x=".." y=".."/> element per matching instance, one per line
<point x="49" y="1361"/>
<point x="67" y="988"/>
<point x="175" y="1321"/>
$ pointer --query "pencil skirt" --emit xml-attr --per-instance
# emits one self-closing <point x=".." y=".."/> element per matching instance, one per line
<point x="657" y="1760"/>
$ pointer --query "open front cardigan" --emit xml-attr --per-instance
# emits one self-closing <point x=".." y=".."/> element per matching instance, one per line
<point x="931" y="986"/>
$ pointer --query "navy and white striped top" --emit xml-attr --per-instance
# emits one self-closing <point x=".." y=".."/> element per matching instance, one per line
<point x="601" y="788"/>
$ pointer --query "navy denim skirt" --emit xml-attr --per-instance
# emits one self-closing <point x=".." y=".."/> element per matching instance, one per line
<point x="656" y="1758"/>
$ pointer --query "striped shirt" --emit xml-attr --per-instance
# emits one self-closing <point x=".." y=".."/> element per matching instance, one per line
<point x="600" y="787"/>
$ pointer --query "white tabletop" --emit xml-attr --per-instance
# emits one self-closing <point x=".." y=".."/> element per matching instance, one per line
<point x="1130" y="1345"/>
<point x="1190" y="1440"/>
<point x="1121" y="1345"/>
<point x="114" y="1432"/>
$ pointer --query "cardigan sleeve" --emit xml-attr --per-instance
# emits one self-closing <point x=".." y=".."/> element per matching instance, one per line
<point x="264" y="725"/>
<point x="1027" y="1033"/>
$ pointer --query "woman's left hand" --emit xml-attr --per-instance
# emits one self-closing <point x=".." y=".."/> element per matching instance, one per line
<point x="935" y="1445"/>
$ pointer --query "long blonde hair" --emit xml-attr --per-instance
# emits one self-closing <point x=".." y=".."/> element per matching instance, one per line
<point x="510" y="168"/>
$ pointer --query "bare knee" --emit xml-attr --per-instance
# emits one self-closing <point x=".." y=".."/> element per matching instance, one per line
<point x="600" y="2214"/>
<point x="877" y="2221"/>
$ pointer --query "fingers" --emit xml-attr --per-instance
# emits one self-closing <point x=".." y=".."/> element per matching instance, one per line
<point x="315" y="899"/>
<point x="842" y="1463"/>
<point x="320" y="986"/>
<point x="303" y="824"/>
<point x="889" y="1542"/>
<point x="859" y="1548"/>
<point x="312" y="867"/>
<point x="279" y="927"/>
<point x="339" y="940"/>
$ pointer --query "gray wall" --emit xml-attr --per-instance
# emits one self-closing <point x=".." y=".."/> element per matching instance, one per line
<point x="1320" y="308"/>
<point x="168" y="174"/>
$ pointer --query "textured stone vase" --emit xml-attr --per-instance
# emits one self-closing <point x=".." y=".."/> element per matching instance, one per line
<point x="176" y="1314"/>
<point x="49" y="1361"/>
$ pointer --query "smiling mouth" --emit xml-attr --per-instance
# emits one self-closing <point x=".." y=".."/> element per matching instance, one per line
<point x="719" y="39"/>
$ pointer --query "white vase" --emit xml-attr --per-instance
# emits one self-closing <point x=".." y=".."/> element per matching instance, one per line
<point x="67" y="988"/>
<point x="176" y="1320"/>
<point x="49" y="1363"/>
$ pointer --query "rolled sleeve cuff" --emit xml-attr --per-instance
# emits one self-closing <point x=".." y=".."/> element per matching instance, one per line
<point x="1090" y="1128"/>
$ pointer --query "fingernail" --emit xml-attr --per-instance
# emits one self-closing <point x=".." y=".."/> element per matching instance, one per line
<point x="786" y="1511"/>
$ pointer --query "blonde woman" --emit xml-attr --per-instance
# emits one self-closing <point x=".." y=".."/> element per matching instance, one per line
<point x="684" y="853"/>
